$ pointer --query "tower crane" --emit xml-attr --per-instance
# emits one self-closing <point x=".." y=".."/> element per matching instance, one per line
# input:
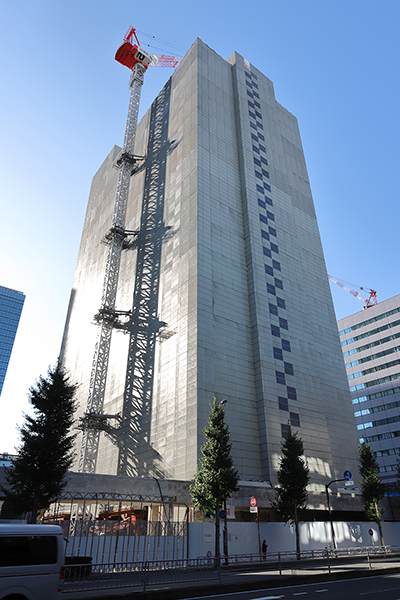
<point x="133" y="56"/>
<point x="370" y="301"/>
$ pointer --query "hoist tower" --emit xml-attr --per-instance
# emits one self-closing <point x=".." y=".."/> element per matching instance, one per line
<point x="131" y="55"/>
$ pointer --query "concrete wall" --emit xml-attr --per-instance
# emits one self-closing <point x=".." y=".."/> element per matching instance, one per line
<point x="243" y="537"/>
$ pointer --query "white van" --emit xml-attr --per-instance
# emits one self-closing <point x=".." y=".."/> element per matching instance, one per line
<point x="31" y="561"/>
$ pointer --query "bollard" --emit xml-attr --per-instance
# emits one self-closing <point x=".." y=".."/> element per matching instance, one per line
<point x="369" y="560"/>
<point x="280" y="565"/>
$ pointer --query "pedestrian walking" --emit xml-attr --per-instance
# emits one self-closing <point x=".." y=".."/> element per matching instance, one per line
<point x="264" y="548"/>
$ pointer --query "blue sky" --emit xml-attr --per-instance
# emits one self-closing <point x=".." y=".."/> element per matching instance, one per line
<point x="63" y="106"/>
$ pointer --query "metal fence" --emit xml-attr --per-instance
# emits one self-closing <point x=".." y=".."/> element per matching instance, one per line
<point x="152" y="573"/>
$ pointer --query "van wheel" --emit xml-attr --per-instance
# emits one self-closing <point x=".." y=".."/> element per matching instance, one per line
<point x="15" y="597"/>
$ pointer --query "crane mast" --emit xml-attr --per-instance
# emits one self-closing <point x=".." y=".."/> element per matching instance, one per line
<point x="108" y="317"/>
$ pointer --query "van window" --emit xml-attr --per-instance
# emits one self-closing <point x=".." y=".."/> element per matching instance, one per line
<point x="16" y="551"/>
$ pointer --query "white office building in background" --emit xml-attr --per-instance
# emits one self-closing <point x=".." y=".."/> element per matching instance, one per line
<point x="371" y="348"/>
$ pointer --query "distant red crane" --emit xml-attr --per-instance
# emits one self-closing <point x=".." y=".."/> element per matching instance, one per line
<point x="370" y="301"/>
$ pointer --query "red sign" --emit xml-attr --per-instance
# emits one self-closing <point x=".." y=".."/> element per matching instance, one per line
<point x="253" y="501"/>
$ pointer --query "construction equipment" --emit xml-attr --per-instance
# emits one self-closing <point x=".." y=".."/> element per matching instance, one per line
<point x="370" y="301"/>
<point x="108" y="318"/>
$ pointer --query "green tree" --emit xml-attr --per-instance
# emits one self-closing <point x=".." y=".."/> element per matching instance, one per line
<point x="37" y="475"/>
<point x="293" y="477"/>
<point x="372" y="489"/>
<point x="216" y="476"/>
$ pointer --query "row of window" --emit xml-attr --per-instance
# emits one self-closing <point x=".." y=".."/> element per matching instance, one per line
<point x="271" y="250"/>
<point x="370" y="424"/>
<point x="369" y="321"/>
<point x="372" y="332"/>
<point x="392" y="363"/>
<point x="367" y="384"/>
<point x="380" y="437"/>
<point x="388" y="452"/>
<point x="388" y="338"/>
<point x="387" y="468"/>
<point x="373" y="356"/>
<point x="375" y="409"/>
<point x="388" y="392"/>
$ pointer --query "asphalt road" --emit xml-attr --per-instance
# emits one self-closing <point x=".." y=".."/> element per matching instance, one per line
<point x="381" y="587"/>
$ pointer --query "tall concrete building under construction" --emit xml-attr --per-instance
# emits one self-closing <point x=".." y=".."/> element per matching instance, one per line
<point x="223" y="289"/>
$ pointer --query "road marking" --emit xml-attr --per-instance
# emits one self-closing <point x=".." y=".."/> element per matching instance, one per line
<point x="269" y="598"/>
<point x="300" y="594"/>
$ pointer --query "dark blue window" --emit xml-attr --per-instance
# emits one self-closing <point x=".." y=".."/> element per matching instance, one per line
<point x="255" y="149"/>
<point x="274" y="311"/>
<point x="291" y="393"/>
<point x="268" y="270"/>
<point x="248" y="83"/>
<point x="283" y="323"/>
<point x="252" y="125"/>
<point x="259" y="189"/>
<point x="261" y="203"/>
<point x="280" y="377"/>
<point x="276" y="265"/>
<point x="259" y="125"/>
<point x="250" y="104"/>
<point x="283" y="403"/>
<point x="258" y="114"/>
<point x="268" y="201"/>
<point x="247" y="74"/>
<point x="263" y="219"/>
<point x="270" y="289"/>
<point x="264" y="160"/>
<point x="265" y="173"/>
<point x="272" y="231"/>
<point x="257" y="162"/>
<point x="257" y="104"/>
<point x="270" y="216"/>
<point x="263" y="148"/>
<point x="294" y="419"/>
<point x="254" y="137"/>
<point x="256" y="95"/>
<point x="252" y="114"/>
<point x="278" y="354"/>
<point x="288" y="368"/>
<point x="285" y="430"/>
<point x="267" y="187"/>
<point x="255" y="85"/>
<point x="286" y="345"/>
<point x="265" y="235"/>
<point x="276" y="331"/>
<point x="280" y="302"/>
<point x="278" y="284"/>
<point x="260" y="135"/>
<point x="267" y="252"/>
<point x="274" y="248"/>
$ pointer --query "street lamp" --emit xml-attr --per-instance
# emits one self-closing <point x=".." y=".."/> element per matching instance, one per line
<point x="330" y="512"/>
<point x="225" y="532"/>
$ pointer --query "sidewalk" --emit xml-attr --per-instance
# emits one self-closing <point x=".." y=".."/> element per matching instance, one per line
<point x="255" y="577"/>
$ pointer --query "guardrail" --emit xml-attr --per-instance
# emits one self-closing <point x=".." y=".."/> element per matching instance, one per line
<point x="144" y="574"/>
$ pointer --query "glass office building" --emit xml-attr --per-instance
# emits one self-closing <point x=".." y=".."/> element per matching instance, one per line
<point x="11" y="303"/>
<point x="371" y="348"/>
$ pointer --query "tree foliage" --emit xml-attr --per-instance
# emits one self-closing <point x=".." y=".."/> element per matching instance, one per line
<point x="372" y="489"/>
<point x="293" y="477"/>
<point x="45" y="455"/>
<point x="216" y="476"/>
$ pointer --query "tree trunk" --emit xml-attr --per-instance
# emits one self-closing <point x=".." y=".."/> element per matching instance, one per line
<point x="296" y="526"/>
<point x="34" y="509"/>
<point x="378" y="520"/>
<point x="217" y="553"/>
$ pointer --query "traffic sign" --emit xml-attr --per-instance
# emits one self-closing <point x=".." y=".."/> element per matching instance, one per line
<point x="253" y="501"/>
<point x="222" y="514"/>
<point x="253" y="509"/>
<point x="347" y="475"/>
<point x="371" y="532"/>
<point x="349" y="483"/>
